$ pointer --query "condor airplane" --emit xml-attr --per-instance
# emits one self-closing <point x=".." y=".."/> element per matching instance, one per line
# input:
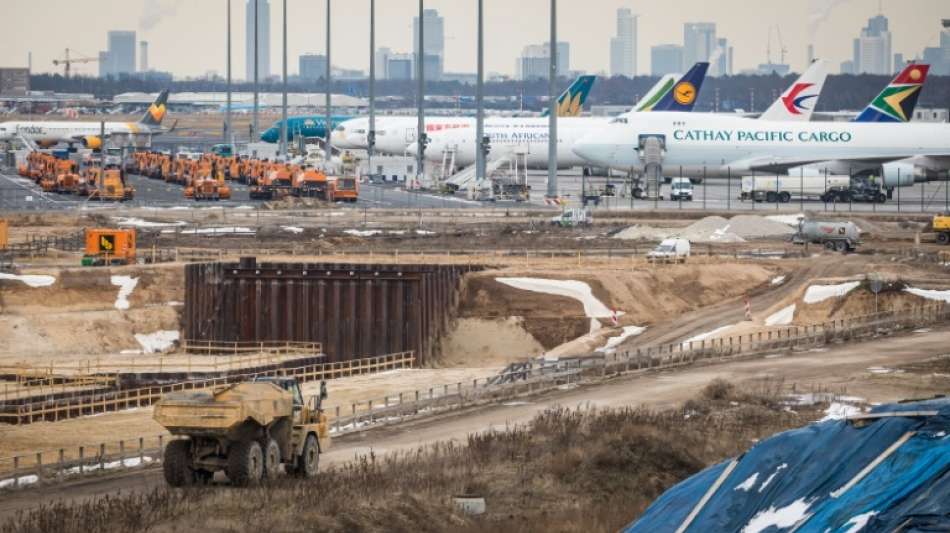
<point x="48" y="134"/>
<point x="394" y="134"/>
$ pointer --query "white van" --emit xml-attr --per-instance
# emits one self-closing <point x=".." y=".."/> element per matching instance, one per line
<point x="681" y="189"/>
<point x="673" y="250"/>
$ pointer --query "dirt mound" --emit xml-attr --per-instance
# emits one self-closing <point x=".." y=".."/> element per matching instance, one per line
<point x="713" y="229"/>
<point x="488" y="342"/>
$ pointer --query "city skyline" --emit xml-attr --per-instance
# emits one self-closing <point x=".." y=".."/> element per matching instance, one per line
<point x="174" y="28"/>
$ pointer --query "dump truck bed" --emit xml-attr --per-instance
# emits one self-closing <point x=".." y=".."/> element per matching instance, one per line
<point x="941" y="223"/>
<point x="222" y="412"/>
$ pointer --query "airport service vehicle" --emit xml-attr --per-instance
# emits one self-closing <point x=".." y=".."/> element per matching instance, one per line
<point x="573" y="217"/>
<point x="941" y="225"/>
<point x="673" y="250"/>
<point x="89" y="134"/>
<point x="105" y="246"/>
<point x="839" y="236"/>
<point x="4" y="239"/>
<point x="861" y="191"/>
<point x="110" y="186"/>
<point x="782" y="188"/>
<point x="248" y="430"/>
<point x="681" y="189"/>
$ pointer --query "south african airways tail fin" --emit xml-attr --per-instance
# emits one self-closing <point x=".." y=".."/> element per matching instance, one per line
<point x="798" y="102"/>
<point x="571" y="101"/>
<point x="682" y="97"/>
<point x="897" y="101"/>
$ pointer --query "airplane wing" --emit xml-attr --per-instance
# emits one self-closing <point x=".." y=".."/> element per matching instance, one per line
<point x="782" y="164"/>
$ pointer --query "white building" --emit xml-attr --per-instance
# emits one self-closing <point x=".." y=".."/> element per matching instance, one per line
<point x="535" y="61"/>
<point x="623" y="47"/>
<point x="872" y="49"/>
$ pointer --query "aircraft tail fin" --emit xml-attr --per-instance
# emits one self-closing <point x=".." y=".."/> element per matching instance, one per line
<point x="682" y="97"/>
<point x="798" y="102"/>
<point x="897" y="101"/>
<point x="571" y="101"/>
<point x="156" y="112"/>
<point x="657" y="92"/>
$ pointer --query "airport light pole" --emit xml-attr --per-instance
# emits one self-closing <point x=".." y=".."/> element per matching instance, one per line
<point x="254" y="122"/>
<point x="328" y="126"/>
<point x="479" y="100"/>
<point x="371" y="135"/>
<point x="283" y="112"/>
<point x="421" y="138"/>
<point x="552" y="103"/>
<point x="227" y="112"/>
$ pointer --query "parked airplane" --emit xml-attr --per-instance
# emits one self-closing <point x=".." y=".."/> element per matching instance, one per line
<point x="308" y="126"/>
<point x="48" y="134"/>
<point x="394" y="134"/>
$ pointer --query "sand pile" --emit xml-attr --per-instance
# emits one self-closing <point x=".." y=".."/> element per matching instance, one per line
<point x="713" y="229"/>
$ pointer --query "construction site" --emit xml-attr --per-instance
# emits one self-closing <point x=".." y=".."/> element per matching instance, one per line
<point x="485" y="339"/>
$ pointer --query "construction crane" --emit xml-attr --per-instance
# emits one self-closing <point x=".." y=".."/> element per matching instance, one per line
<point x="68" y="61"/>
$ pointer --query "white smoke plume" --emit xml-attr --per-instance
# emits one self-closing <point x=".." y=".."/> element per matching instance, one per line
<point x="154" y="11"/>
<point x="818" y="11"/>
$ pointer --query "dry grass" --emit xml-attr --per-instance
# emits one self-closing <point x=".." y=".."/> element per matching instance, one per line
<point x="568" y="470"/>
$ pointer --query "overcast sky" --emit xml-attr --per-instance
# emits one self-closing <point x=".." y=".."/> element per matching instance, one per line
<point x="187" y="38"/>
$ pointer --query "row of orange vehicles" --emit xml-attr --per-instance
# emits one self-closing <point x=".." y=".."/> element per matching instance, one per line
<point x="206" y="176"/>
<point x="67" y="176"/>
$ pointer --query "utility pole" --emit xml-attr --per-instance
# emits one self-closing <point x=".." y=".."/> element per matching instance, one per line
<point x="421" y="137"/>
<point x="283" y="112"/>
<point x="255" y="125"/>
<point x="371" y="135"/>
<point x="328" y="125"/>
<point x="228" y="137"/>
<point x="479" y="100"/>
<point x="552" y="103"/>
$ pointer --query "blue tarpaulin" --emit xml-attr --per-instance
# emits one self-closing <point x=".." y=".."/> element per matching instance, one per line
<point x="878" y="474"/>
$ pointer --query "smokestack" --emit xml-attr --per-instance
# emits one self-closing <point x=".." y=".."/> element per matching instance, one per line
<point x="811" y="55"/>
<point x="143" y="56"/>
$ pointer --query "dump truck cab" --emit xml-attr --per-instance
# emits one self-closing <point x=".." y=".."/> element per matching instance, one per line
<point x="249" y="430"/>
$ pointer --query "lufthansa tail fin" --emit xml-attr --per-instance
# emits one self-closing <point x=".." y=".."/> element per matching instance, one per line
<point x="658" y="91"/>
<point x="571" y="101"/>
<point x="156" y="112"/>
<point x="798" y="102"/>
<point x="897" y="101"/>
<point x="682" y="97"/>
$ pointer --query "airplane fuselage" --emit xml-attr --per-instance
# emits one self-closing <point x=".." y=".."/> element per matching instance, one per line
<point x="43" y="132"/>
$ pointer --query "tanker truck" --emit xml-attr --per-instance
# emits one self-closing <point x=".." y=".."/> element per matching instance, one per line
<point x="840" y="236"/>
<point x="250" y="431"/>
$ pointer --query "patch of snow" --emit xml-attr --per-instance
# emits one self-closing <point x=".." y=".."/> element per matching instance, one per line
<point x="613" y="342"/>
<point x="23" y="480"/>
<point x="820" y="293"/>
<point x="362" y="233"/>
<point x="296" y="230"/>
<point x="126" y="285"/>
<point x="174" y="303"/>
<point x="131" y="462"/>
<point x="158" y="341"/>
<point x="595" y="326"/>
<point x="135" y="222"/>
<point x="883" y="370"/>
<point x="782" y="518"/>
<point x="130" y="352"/>
<point x="858" y="522"/>
<point x="922" y="330"/>
<point x="840" y="411"/>
<point x="769" y="479"/>
<point x="424" y="232"/>
<point x="244" y="207"/>
<point x="578" y="290"/>
<point x="708" y="334"/>
<point x="30" y="279"/>
<point x="791" y="220"/>
<point x="515" y="404"/>
<point x="213" y="231"/>
<point x="778" y="280"/>
<point x="749" y="483"/>
<point x="940" y="296"/>
<point x="781" y="318"/>
<point x="398" y="232"/>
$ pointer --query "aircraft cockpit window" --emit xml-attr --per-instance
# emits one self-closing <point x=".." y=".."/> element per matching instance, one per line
<point x="340" y="129"/>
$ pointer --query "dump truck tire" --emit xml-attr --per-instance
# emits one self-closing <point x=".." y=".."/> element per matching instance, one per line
<point x="308" y="461"/>
<point x="271" y="459"/>
<point x="177" y="464"/>
<point x="245" y="463"/>
<point x="943" y="238"/>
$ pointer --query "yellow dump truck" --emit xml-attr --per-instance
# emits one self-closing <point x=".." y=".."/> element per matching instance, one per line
<point x="248" y="430"/>
<point x="941" y="224"/>
<point x="4" y="239"/>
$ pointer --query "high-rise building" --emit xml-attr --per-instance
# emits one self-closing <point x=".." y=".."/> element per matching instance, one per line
<point x="535" y="61"/>
<point x="263" y="39"/>
<point x="623" y="47"/>
<point x="699" y="42"/>
<point x="105" y="64"/>
<point x="312" y="67"/>
<point x="399" y="67"/>
<point x="666" y="59"/>
<point x="434" y="41"/>
<point x="121" y="53"/>
<point x="381" y="58"/>
<point x="899" y="62"/>
<point x="143" y="56"/>
<point x="720" y="62"/>
<point x="872" y="49"/>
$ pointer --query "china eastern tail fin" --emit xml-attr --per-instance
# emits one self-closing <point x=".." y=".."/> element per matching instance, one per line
<point x="897" y="101"/>
<point x="656" y="93"/>
<point x="156" y="112"/>
<point x="682" y="97"/>
<point x="798" y="102"/>
<point x="571" y="101"/>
